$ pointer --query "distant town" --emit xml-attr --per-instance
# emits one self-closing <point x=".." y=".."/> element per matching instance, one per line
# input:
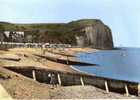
<point x="19" y="39"/>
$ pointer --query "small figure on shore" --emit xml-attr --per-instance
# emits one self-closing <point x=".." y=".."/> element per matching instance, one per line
<point x="52" y="80"/>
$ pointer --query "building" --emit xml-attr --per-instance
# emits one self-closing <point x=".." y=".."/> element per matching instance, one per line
<point x="13" y="36"/>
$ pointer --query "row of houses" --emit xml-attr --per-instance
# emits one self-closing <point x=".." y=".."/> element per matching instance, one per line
<point x="12" y="36"/>
<point x="33" y="45"/>
<point x="31" y="36"/>
<point x="23" y="39"/>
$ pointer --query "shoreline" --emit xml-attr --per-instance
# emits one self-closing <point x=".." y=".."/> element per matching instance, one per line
<point x="27" y="58"/>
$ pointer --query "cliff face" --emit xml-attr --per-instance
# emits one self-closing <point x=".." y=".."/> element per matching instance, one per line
<point x="84" y="33"/>
<point x="95" y="35"/>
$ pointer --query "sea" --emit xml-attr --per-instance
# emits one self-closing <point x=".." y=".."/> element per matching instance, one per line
<point x="121" y="64"/>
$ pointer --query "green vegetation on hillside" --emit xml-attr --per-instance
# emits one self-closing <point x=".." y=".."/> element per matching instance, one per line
<point x="49" y="26"/>
<point x="51" y="32"/>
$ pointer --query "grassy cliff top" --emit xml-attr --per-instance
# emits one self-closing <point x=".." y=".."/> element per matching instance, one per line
<point x="48" y="26"/>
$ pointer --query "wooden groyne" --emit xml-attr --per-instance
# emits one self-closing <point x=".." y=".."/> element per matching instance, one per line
<point x="68" y="79"/>
<point x="66" y="61"/>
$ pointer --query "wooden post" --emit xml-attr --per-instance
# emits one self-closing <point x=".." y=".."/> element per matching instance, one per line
<point x="106" y="87"/>
<point x="59" y="79"/>
<point x="33" y="73"/>
<point x="67" y="60"/>
<point x="82" y="82"/>
<point x="126" y="90"/>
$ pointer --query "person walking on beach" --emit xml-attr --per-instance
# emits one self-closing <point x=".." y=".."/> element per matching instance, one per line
<point x="52" y="80"/>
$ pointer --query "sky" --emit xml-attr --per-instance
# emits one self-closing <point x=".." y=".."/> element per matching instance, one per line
<point x="122" y="16"/>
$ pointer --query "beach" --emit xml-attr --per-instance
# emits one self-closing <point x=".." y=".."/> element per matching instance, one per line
<point x="22" y="87"/>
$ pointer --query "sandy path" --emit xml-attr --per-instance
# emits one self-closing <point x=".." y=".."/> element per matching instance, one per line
<point x="3" y="94"/>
